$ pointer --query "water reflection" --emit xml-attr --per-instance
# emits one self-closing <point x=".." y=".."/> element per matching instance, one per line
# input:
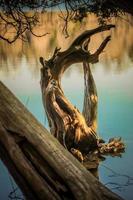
<point x="19" y="70"/>
<point x="119" y="49"/>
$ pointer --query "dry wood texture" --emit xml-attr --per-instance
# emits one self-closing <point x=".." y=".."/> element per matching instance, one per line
<point x="44" y="167"/>
<point x="75" y="131"/>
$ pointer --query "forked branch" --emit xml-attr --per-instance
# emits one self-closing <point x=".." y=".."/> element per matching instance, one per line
<point x="77" y="52"/>
<point x="67" y="124"/>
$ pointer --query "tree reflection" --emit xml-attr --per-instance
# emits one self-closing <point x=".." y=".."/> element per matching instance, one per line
<point x="12" y="55"/>
<point x="130" y="52"/>
<point x="125" y="180"/>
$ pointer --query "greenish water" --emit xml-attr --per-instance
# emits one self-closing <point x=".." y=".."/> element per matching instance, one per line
<point x="115" y="116"/>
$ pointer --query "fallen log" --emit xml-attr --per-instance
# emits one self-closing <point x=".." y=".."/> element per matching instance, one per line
<point x="47" y="169"/>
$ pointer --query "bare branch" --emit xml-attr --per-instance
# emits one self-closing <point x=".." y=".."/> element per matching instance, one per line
<point x="79" y="40"/>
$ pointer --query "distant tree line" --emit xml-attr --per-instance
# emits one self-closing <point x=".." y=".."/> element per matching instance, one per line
<point x="15" y="15"/>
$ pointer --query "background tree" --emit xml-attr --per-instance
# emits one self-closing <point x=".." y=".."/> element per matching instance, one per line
<point x="22" y="16"/>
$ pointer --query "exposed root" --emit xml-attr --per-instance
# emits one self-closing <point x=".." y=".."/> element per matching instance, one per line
<point x="115" y="146"/>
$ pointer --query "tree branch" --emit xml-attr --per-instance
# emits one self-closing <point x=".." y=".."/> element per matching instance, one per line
<point x="77" y="52"/>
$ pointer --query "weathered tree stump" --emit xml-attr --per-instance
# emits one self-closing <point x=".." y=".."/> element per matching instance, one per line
<point x="73" y="129"/>
<point x="41" y="166"/>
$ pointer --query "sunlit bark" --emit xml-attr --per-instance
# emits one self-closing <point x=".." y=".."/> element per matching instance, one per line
<point x="67" y="124"/>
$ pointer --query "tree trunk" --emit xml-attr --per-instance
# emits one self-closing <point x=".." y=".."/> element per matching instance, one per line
<point x="41" y="166"/>
<point x="75" y="131"/>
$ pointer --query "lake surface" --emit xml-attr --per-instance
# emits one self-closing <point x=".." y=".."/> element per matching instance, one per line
<point x="20" y="72"/>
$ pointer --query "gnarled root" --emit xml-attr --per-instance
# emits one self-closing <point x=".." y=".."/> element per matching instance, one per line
<point x="115" y="146"/>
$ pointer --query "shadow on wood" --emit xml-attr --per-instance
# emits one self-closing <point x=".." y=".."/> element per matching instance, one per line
<point x="75" y="131"/>
<point x="38" y="161"/>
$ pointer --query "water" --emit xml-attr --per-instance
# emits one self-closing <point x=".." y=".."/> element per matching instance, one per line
<point x="114" y="79"/>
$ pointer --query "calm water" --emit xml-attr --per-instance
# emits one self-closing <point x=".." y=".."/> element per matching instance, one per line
<point x="114" y="80"/>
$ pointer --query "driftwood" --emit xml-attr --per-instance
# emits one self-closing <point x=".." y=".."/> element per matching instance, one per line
<point x="41" y="166"/>
<point x="74" y="130"/>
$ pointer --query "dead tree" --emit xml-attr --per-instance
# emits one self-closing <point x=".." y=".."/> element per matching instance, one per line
<point x="41" y="166"/>
<point x="73" y="129"/>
